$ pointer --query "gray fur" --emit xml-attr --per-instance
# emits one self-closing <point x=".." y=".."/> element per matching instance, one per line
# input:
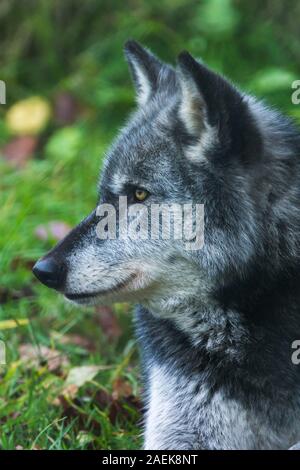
<point x="215" y="326"/>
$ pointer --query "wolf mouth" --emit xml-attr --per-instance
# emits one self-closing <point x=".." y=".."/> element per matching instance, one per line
<point x="111" y="290"/>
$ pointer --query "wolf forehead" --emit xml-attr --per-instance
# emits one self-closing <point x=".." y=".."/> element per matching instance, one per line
<point x="146" y="151"/>
<point x="142" y="152"/>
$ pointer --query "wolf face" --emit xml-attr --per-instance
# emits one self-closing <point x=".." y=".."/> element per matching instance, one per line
<point x="194" y="138"/>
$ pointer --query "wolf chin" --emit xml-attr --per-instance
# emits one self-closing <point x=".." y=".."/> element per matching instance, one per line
<point x="215" y="325"/>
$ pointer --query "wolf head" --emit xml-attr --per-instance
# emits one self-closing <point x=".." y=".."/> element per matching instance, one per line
<point x="194" y="138"/>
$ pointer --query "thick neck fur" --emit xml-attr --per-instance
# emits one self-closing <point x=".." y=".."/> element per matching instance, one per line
<point x="219" y="316"/>
<point x="244" y="333"/>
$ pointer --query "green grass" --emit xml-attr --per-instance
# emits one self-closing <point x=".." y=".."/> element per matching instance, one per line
<point x="255" y="43"/>
<point x="55" y="188"/>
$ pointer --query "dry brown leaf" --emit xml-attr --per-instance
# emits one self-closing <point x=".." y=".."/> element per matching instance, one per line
<point x="37" y="357"/>
<point x="19" y="150"/>
<point x="121" y="389"/>
<point x="80" y="375"/>
<point x="70" y="391"/>
<point x="76" y="378"/>
<point x="74" y="339"/>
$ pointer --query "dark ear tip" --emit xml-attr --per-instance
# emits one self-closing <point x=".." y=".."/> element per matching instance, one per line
<point x="183" y="55"/>
<point x="185" y="59"/>
<point x="132" y="47"/>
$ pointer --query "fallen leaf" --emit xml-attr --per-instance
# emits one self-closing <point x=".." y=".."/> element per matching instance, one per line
<point x="56" y="230"/>
<point x="19" y="150"/>
<point x="108" y="321"/>
<point x="29" y="116"/>
<point x="80" y="375"/>
<point x="121" y="389"/>
<point x="10" y="324"/>
<point x="77" y="377"/>
<point x="43" y="356"/>
<point x="74" y="339"/>
<point x="69" y="391"/>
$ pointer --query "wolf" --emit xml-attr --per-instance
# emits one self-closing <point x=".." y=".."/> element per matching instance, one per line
<point x="215" y="325"/>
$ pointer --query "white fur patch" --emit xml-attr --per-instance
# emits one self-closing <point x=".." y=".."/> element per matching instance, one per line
<point x="208" y="138"/>
<point x="183" y="415"/>
<point x="192" y="112"/>
<point x="117" y="182"/>
<point x="144" y="85"/>
<point x="166" y="415"/>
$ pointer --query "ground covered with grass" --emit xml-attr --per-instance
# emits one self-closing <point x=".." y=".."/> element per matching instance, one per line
<point x="71" y="378"/>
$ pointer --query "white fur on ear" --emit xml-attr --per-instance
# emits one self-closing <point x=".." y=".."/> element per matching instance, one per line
<point x="193" y="114"/>
<point x="142" y="83"/>
<point x="197" y="152"/>
<point x="145" y="69"/>
<point x="192" y="106"/>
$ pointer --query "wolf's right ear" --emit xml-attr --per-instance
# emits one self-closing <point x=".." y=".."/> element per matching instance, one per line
<point x="145" y="68"/>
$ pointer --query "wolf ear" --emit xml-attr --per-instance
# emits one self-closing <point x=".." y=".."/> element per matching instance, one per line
<point x="212" y="110"/>
<point x="192" y="109"/>
<point x="145" y="69"/>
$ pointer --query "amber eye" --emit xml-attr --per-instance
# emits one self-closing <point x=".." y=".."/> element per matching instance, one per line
<point x="140" y="194"/>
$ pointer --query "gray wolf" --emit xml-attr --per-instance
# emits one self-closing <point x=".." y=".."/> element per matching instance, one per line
<point x="215" y="325"/>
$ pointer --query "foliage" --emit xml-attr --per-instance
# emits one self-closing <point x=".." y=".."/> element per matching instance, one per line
<point x="69" y="54"/>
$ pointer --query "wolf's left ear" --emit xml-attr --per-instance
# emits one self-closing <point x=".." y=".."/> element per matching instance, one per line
<point x="212" y="110"/>
<point x="145" y="69"/>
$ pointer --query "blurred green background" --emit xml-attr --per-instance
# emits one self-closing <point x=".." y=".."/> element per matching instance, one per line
<point x="71" y="378"/>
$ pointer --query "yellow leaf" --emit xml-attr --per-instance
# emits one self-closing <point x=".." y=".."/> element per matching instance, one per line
<point x="9" y="324"/>
<point x="29" y="116"/>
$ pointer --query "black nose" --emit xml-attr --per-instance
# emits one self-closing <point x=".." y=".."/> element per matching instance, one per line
<point x="50" y="272"/>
